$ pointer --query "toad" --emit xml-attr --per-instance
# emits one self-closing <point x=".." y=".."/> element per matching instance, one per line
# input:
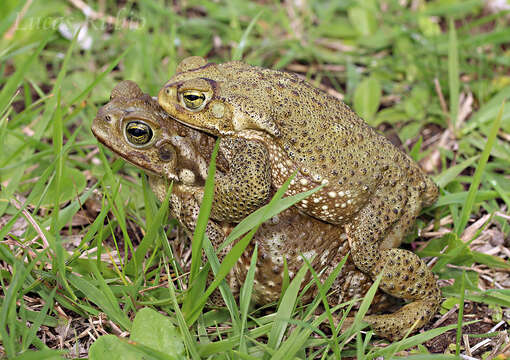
<point x="134" y="126"/>
<point x="274" y="124"/>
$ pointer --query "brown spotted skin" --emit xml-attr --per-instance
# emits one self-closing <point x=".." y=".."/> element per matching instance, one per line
<point x="285" y="236"/>
<point x="127" y="103"/>
<point x="370" y="187"/>
<point x="248" y="171"/>
<point x="181" y="154"/>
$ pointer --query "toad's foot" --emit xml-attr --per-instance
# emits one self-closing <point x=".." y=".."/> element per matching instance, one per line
<point x="406" y="276"/>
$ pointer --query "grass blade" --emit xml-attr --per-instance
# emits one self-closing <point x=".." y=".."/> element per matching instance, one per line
<point x="235" y="253"/>
<point x="461" y="312"/>
<point x="203" y="216"/>
<point x="183" y="326"/>
<point x="245" y="298"/>
<point x="101" y="296"/>
<point x="238" y="50"/>
<point x="41" y="355"/>
<point x="153" y="229"/>
<point x="81" y="96"/>
<point x="451" y="173"/>
<point x="285" y="309"/>
<point x="227" y="264"/>
<point x="453" y="76"/>
<point x="228" y="297"/>
<point x="297" y="339"/>
<point x="8" y="305"/>
<point x="32" y="332"/>
<point x="16" y="78"/>
<point x="266" y="212"/>
<point x="477" y="177"/>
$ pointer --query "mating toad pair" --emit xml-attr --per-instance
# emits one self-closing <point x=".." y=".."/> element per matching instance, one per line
<point x="273" y="124"/>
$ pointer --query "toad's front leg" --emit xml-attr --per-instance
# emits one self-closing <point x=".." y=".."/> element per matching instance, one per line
<point x="246" y="186"/>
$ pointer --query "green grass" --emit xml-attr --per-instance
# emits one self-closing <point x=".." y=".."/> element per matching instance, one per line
<point x="80" y="231"/>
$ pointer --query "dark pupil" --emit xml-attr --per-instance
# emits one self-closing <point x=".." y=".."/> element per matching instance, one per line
<point x="194" y="97"/>
<point x="135" y="131"/>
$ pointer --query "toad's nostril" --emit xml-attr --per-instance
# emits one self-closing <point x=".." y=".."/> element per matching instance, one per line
<point x="168" y="91"/>
<point x="108" y="118"/>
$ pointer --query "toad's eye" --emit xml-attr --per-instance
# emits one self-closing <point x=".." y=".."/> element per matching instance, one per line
<point x="138" y="133"/>
<point x="193" y="99"/>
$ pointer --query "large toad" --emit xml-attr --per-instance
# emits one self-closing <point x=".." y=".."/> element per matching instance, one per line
<point x="136" y="128"/>
<point x="273" y="124"/>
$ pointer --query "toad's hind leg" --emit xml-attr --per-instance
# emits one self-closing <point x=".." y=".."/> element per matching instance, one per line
<point x="389" y="216"/>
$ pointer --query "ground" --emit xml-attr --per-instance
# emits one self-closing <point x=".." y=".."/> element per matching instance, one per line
<point x="82" y="249"/>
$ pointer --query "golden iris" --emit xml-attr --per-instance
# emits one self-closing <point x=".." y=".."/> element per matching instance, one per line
<point x="193" y="99"/>
<point x="138" y="133"/>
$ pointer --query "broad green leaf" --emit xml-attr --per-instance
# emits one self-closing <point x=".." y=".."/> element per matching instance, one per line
<point x="367" y="98"/>
<point x="156" y="331"/>
<point x="153" y="336"/>
<point x="73" y="183"/>
<point x="428" y="26"/>
<point x="390" y="116"/>
<point x="112" y="348"/>
<point x="363" y="20"/>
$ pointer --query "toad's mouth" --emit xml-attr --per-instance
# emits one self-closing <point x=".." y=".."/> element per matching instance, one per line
<point x="197" y="128"/>
<point x="210" y="131"/>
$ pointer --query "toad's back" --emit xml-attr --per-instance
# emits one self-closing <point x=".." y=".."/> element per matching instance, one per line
<point x="325" y="141"/>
